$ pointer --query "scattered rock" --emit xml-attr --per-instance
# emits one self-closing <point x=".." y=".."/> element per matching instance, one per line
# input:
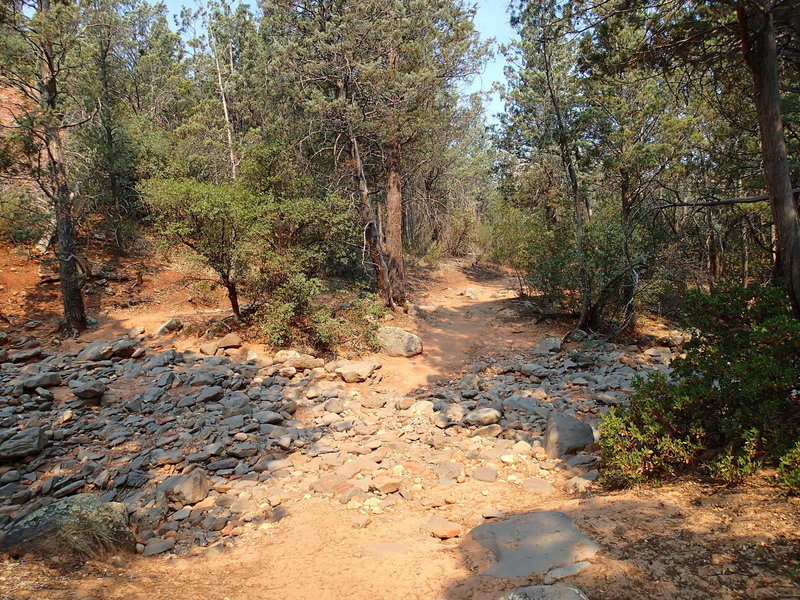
<point x="173" y="324"/>
<point x="441" y="528"/>
<point x="231" y="340"/>
<point x="483" y="416"/>
<point x="22" y="443"/>
<point x="539" y="486"/>
<point x="484" y="474"/>
<point x="158" y="546"/>
<point x="354" y="372"/>
<point x="89" y="389"/>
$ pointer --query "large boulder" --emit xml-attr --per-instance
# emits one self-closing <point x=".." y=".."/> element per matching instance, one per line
<point x="533" y="544"/>
<point x="76" y="527"/>
<point x="565" y="435"/>
<point x="22" y="443"/>
<point x="399" y="342"/>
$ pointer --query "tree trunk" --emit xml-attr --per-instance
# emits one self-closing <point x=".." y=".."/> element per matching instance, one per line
<point x="565" y="149"/>
<point x="223" y="97"/>
<point x="394" y="226"/>
<point x="369" y="223"/>
<point x="72" y="300"/>
<point x="233" y="298"/>
<point x="761" y="55"/>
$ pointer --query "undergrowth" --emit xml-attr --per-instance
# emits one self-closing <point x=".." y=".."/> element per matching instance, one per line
<point x="733" y="406"/>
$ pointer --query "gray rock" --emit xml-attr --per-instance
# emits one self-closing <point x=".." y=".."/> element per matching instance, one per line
<point x="547" y="345"/>
<point x="533" y="544"/>
<point x="41" y="380"/>
<point x="580" y="483"/>
<point x="565" y="434"/>
<point x="488" y="431"/>
<point x="89" y="388"/>
<point x="186" y="489"/>
<point x="211" y="393"/>
<point x="173" y="324"/>
<point x="158" y="546"/>
<point x="544" y="592"/>
<point x="483" y="416"/>
<point x="235" y="404"/>
<point x="96" y="351"/>
<point x="76" y="527"/>
<point x="22" y="443"/>
<point x="123" y="348"/>
<point x="18" y="356"/>
<point x="268" y="416"/>
<point x="399" y="342"/>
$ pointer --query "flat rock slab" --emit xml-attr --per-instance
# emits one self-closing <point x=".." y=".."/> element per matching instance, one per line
<point x="544" y="592"/>
<point x="533" y="543"/>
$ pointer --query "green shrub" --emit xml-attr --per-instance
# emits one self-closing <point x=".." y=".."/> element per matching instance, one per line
<point x="789" y="471"/>
<point x="263" y="238"/>
<point x="731" y="409"/>
<point x="22" y="220"/>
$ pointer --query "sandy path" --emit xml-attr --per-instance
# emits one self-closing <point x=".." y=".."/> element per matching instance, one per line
<point x="458" y="327"/>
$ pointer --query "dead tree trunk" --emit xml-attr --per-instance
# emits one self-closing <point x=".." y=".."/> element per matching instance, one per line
<point x="761" y="55"/>
<point x="224" y="98"/>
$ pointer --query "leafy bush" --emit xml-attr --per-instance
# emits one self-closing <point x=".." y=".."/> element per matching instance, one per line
<point x="732" y="408"/>
<point x="261" y="236"/>
<point x="789" y="470"/>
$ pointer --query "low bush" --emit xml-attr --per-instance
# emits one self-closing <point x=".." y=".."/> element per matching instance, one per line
<point x="732" y="406"/>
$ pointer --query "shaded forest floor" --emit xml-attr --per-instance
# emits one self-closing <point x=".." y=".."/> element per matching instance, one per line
<point x="682" y="540"/>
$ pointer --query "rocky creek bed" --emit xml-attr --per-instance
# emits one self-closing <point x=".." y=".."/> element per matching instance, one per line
<point x="196" y="446"/>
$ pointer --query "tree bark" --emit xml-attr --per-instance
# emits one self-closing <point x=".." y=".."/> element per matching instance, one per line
<point x="233" y="298"/>
<point x="369" y="223"/>
<point x="761" y="55"/>
<point x="74" y="312"/>
<point x="394" y="226"/>
<point x="565" y="150"/>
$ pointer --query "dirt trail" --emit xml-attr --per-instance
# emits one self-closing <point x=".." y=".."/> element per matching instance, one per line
<point x="465" y="313"/>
